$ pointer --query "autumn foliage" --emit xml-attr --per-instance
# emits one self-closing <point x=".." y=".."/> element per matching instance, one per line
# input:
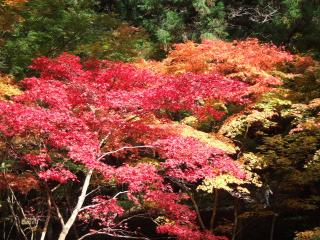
<point x="84" y="115"/>
<point x="114" y="122"/>
<point x="247" y="60"/>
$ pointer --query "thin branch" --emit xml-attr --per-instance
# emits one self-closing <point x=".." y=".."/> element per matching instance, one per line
<point x="274" y="218"/>
<point x="89" y="206"/>
<point x="256" y="14"/>
<point x="196" y="208"/>
<point x="9" y="233"/>
<point x="55" y="188"/>
<point x="119" y="193"/>
<point x="214" y="209"/>
<point x="235" y="223"/>
<point x="16" y="220"/>
<point x="17" y="202"/>
<point x="22" y="211"/>
<point x="93" y="191"/>
<point x="55" y="206"/>
<point x="46" y="224"/>
<point x="121" y="149"/>
<point x="95" y="205"/>
<point x="102" y="142"/>
<point x="111" y="235"/>
<point x="104" y="139"/>
<point x="131" y="217"/>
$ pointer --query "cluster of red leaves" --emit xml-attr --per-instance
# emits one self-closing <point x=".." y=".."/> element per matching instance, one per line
<point x="137" y="179"/>
<point x="21" y="183"/>
<point x="41" y="160"/>
<point x="103" y="209"/>
<point x="182" y="220"/>
<point x="85" y="113"/>
<point x="191" y="160"/>
<point x="57" y="173"/>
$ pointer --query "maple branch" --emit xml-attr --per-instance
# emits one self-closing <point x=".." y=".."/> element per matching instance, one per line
<point x="46" y="224"/>
<point x="89" y="206"/>
<point x="274" y="218"/>
<point x="9" y="233"/>
<point x="103" y="140"/>
<point x="196" y="208"/>
<point x="94" y="190"/>
<point x="66" y="227"/>
<point x="94" y="205"/>
<point x="55" y="188"/>
<point x="54" y="204"/>
<point x="121" y="149"/>
<point x="235" y="214"/>
<point x="22" y="211"/>
<point x="111" y="235"/>
<point x="255" y="14"/>
<point x="16" y="220"/>
<point x="134" y="216"/>
<point x="117" y="194"/>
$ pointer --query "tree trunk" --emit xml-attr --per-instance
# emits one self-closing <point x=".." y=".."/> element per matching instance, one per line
<point x="274" y="218"/>
<point x="214" y="209"/>
<point x="46" y="224"/>
<point x="67" y="226"/>
<point x="235" y="223"/>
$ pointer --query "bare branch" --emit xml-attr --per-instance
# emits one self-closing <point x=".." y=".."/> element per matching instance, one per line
<point x="55" y="188"/>
<point x="255" y="14"/>
<point x="46" y="224"/>
<point x="93" y="191"/>
<point x="119" y="193"/>
<point x="94" y="205"/>
<point x="55" y="205"/>
<point x="112" y="235"/>
<point x="16" y="219"/>
<point x="123" y="148"/>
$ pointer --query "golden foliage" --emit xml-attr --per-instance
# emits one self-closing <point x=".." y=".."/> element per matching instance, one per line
<point x="212" y="139"/>
<point x="248" y="60"/>
<point x="7" y="88"/>
<point x="260" y="114"/>
<point x="313" y="234"/>
<point x="222" y="181"/>
<point x="14" y="3"/>
<point x="253" y="161"/>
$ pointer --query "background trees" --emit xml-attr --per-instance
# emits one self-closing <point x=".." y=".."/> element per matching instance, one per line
<point x="35" y="28"/>
<point x="173" y="21"/>
<point x="49" y="28"/>
<point x="290" y="22"/>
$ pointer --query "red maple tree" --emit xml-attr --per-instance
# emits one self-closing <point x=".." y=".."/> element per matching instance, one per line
<point x="103" y="119"/>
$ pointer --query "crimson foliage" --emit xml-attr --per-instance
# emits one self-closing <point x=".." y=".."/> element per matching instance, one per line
<point x="74" y="117"/>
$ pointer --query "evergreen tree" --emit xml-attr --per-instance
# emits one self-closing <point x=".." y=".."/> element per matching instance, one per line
<point x="175" y="20"/>
<point x="49" y="28"/>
